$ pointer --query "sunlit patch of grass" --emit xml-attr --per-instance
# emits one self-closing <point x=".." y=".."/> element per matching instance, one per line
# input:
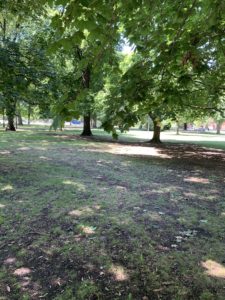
<point x="87" y="229"/>
<point x="5" y="152"/>
<point x="197" y="180"/>
<point x="7" y="187"/>
<point x="214" y="269"/>
<point x="22" y="271"/>
<point x="10" y="261"/>
<point x="24" y="149"/>
<point x="83" y="211"/>
<point x="79" y="186"/>
<point x="119" y="273"/>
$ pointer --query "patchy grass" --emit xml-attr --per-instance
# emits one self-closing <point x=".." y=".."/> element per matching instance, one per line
<point x="88" y="219"/>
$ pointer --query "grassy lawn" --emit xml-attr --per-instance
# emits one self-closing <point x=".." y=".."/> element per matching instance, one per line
<point x="205" y="139"/>
<point x="83" y="219"/>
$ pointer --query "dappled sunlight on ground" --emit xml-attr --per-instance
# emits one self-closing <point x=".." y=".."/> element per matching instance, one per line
<point x="82" y="211"/>
<point x="45" y="158"/>
<point x="119" y="273"/>
<point x="87" y="229"/>
<point x="22" y="271"/>
<point x="80" y="187"/>
<point x="24" y="129"/>
<point x="160" y="190"/>
<point x="134" y="225"/>
<point x="7" y="187"/>
<point x="121" y="188"/>
<point x="190" y="194"/>
<point x="214" y="269"/>
<point x="213" y="153"/>
<point x="211" y="196"/>
<point x="85" y="210"/>
<point x="129" y="150"/>
<point x="5" y="152"/>
<point x="24" y="149"/>
<point x="41" y="148"/>
<point x="61" y="136"/>
<point x="10" y="261"/>
<point x="197" y="180"/>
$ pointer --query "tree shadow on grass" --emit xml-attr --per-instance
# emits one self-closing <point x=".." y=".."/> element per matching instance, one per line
<point x="115" y="224"/>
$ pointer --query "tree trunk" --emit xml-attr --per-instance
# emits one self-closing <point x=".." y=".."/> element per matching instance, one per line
<point x="157" y="130"/>
<point x="28" y="115"/>
<point x="87" y="116"/>
<point x="20" y="120"/>
<point x="10" y="113"/>
<point x="185" y="126"/>
<point x="18" y="114"/>
<point x="3" y="117"/>
<point x="94" y="122"/>
<point x="218" y="126"/>
<point x="178" y="128"/>
<point x="87" y="126"/>
<point x="11" y="126"/>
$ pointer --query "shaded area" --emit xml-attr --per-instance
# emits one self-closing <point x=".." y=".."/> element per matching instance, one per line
<point x="82" y="219"/>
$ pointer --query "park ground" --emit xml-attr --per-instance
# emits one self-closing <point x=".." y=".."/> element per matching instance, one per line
<point x="89" y="219"/>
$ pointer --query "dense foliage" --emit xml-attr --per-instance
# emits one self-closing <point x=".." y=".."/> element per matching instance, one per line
<point x="70" y="53"/>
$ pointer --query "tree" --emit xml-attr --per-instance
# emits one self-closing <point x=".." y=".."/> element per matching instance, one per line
<point x="181" y="60"/>
<point x="24" y="67"/>
<point x="178" y="63"/>
<point x="91" y="38"/>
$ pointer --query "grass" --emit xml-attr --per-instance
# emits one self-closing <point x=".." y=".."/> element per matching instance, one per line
<point x="205" y="139"/>
<point x="82" y="219"/>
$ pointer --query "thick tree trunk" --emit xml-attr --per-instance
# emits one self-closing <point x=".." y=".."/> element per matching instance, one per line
<point x="87" y="126"/>
<point x="156" y="133"/>
<point x="10" y="113"/>
<point x="11" y="126"/>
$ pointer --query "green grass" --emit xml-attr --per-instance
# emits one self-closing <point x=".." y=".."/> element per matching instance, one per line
<point x="88" y="220"/>
<point x="209" y="140"/>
